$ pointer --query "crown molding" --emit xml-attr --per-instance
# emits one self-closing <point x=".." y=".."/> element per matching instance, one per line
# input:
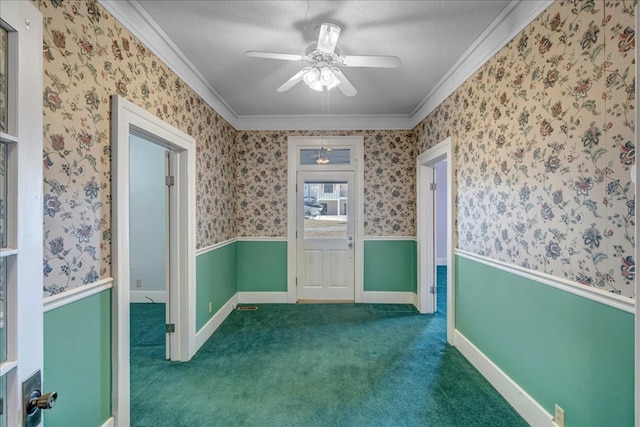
<point x="319" y="123"/>
<point x="508" y="24"/>
<point x="139" y="23"/>
<point x="513" y="19"/>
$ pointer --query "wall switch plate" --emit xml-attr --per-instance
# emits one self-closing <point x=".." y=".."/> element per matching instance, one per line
<point x="210" y="307"/>
<point x="138" y="283"/>
<point x="558" y="419"/>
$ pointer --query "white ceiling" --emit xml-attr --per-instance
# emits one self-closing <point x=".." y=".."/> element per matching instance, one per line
<point x="430" y="37"/>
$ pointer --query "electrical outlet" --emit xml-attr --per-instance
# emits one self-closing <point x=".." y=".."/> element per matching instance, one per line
<point x="210" y="307"/>
<point x="138" y="283"/>
<point x="559" y="417"/>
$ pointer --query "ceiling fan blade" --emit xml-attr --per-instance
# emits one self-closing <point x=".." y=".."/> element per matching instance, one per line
<point x="272" y="55"/>
<point x="345" y="85"/>
<point x="370" y="61"/>
<point x="293" y="80"/>
<point x="328" y="37"/>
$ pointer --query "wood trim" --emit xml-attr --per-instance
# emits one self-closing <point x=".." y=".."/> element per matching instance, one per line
<point x="262" y="239"/>
<point x="214" y="323"/>
<point x="76" y="294"/>
<point x="215" y="246"/>
<point x="521" y="401"/>
<point x="389" y="238"/>
<point x="262" y="297"/>
<point x="148" y="297"/>
<point x="392" y="297"/>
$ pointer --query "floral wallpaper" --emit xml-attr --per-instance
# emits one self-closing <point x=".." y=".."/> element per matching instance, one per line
<point x="389" y="175"/>
<point x="88" y="57"/>
<point x="544" y="135"/>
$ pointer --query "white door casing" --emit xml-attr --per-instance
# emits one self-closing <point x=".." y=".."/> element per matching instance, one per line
<point x="356" y="145"/>
<point x="425" y="176"/>
<point x="23" y="251"/>
<point x="325" y="270"/>
<point x="127" y="117"/>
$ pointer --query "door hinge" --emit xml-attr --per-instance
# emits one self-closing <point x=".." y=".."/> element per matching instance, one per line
<point x="170" y="328"/>
<point x="296" y="281"/>
<point x="432" y="290"/>
<point x="169" y="180"/>
<point x="432" y="186"/>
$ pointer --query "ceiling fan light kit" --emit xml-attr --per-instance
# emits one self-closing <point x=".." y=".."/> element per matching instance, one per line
<point x="328" y="37"/>
<point x="323" y="72"/>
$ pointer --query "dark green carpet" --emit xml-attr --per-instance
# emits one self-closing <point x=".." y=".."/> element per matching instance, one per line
<point x="313" y="365"/>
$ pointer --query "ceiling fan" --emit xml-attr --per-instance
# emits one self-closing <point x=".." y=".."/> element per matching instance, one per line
<point x="325" y="61"/>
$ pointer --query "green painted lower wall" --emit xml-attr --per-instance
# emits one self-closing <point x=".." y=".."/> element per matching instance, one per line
<point x="216" y="281"/>
<point x="390" y="265"/>
<point x="77" y="361"/>
<point x="559" y="347"/>
<point x="262" y="266"/>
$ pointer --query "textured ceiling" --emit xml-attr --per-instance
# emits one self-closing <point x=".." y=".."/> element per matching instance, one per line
<point x="428" y="37"/>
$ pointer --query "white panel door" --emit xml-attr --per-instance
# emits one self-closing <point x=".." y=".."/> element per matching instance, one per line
<point x="21" y="213"/>
<point x="325" y="236"/>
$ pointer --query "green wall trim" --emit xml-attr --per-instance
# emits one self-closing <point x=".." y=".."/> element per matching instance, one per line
<point x="77" y="361"/>
<point x="559" y="347"/>
<point x="216" y="281"/>
<point x="262" y="266"/>
<point x="390" y="265"/>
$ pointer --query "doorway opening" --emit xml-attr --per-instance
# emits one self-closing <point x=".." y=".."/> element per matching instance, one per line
<point x="325" y="230"/>
<point x="179" y="152"/>
<point x="149" y="248"/>
<point x="431" y="256"/>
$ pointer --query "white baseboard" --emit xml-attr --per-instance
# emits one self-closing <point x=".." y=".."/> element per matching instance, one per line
<point x="141" y="296"/>
<point x="111" y="422"/>
<point x="262" y="297"/>
<point x="522" y="402"/>
<point x="214" y="323"/>
<point x="376" y="297"/>
<point x="441" y="261"/>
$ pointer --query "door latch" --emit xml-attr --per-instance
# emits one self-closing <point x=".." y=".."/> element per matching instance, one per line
<point x="35" y="401"/>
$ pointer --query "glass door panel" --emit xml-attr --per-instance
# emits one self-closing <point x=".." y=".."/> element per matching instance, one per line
<point x="325" y="210"/>
<point x="4" y="87"/>
<point x="3" y="195"/>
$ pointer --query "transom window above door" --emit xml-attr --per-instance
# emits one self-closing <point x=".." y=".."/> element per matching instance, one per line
<point x="324" y="156"/>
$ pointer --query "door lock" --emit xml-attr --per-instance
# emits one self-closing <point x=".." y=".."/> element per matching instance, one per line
<point x="35" y="401"/>
<point x="41" y="401"/>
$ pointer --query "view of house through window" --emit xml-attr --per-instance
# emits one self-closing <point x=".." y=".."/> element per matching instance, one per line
<point x="325" y="210"/>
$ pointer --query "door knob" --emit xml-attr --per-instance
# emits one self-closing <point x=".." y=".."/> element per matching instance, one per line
<point x="350" y="244"/>
<point x="42" y="401"/>
<point x="35" y="401"/>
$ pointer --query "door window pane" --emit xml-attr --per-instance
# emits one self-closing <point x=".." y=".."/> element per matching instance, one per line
<point x="325" y="156"/>
<point x="3" y="309"/>
<point x="4" y="87"/>
<point x="325" y="213"/>
<point x="3" y="195"/>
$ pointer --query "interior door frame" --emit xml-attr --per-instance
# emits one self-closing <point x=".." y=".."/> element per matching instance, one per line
<point x="356" y="144"/>
<point x="23" y="250"/>
<point x="425" y="176"/>
<point x="127" y="117"/>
